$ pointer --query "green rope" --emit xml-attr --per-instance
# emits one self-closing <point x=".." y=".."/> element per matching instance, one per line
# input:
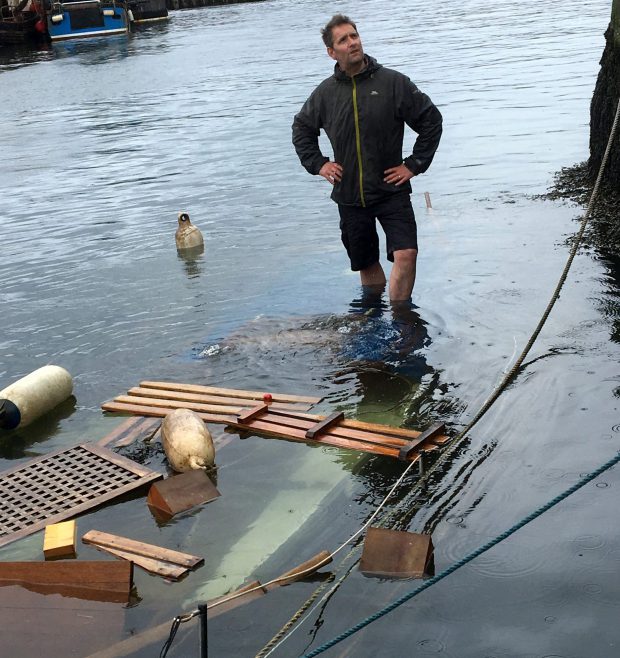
<point x="468" y="558"/>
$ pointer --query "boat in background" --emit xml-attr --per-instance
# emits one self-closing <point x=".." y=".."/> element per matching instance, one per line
<point x="147" y="11"/>
<point x="21" y="22"/>
<point x="86" y="18"/>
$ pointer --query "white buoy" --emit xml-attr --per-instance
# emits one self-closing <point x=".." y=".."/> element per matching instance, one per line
<point x="188" y="236"/>
<point x="187" y="441"/>
<point x="33" y="395"/>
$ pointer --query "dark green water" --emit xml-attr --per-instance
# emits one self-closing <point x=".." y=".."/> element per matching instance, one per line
<point x="104" y="141"/>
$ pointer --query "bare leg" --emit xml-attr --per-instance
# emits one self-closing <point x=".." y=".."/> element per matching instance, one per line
<point x="402" y="277"/>
<point x="373" y="275"/>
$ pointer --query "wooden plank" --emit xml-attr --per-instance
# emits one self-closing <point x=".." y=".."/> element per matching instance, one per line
<point x="230" y="392"/>
<point x="106" y="540"/>
<point x="148" y="410"/>
<point x="323" y="425"/>
<point x="436" y="429"/>
<point x="396" y="554"/>
<point x="303" y="570"/>
<point x="91" y="580"/>
<point x="179" y="493"/>
<point x="157" y="567"/>
<point x="161" y="394"/>
<point x="252" y="413"/>
<point x="170" y="405"/>
<point x="288" y="420"/>
<point x="300" y="435"/>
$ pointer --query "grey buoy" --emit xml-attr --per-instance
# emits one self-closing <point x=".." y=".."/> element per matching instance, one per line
<point x="33" y="395"/>
<point x="187" y="236"/>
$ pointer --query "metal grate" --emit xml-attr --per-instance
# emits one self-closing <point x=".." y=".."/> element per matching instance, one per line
<point x="63" y="484"/>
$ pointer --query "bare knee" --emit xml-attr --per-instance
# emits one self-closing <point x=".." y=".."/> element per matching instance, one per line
<point x="405" y="257"/>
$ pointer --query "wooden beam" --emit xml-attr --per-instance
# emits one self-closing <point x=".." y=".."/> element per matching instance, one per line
<point x="323" y="425"/>
<point x="436" y="429"/>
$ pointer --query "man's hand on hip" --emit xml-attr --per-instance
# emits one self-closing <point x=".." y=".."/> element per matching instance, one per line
<point x="332" y="172"/>
<point x="397" y="175"/>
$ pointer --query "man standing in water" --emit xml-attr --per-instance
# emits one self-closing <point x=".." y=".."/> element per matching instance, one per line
<point x="363" y="108"/>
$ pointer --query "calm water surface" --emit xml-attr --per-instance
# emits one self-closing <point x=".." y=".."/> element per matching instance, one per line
<point x="104" y="141"/>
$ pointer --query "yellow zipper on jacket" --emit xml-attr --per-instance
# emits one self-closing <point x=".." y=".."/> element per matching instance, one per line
<point x="358" y="142"/>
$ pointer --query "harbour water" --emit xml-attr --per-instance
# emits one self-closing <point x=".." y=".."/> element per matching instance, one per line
<point x="104" y="141"/>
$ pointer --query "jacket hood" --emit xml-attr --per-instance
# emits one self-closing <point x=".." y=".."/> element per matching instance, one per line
<point x="371" y="66"/>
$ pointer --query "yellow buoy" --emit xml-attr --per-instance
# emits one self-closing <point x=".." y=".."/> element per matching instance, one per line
<point x="33" y="395"/>
<point x="187" y="441"/>
<point x="187" y="236"/>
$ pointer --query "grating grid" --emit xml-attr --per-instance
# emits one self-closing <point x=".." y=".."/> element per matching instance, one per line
<point x="63" y="484"/>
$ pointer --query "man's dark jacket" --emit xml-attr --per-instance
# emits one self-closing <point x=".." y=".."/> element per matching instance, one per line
<point x="385" y="100"/>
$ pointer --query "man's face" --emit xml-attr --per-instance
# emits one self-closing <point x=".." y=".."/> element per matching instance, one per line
<point x="347" y="49"/>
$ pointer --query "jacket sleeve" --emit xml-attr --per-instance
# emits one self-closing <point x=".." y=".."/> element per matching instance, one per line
<point x="417" y="110"/>
<point x="307" y="126"/>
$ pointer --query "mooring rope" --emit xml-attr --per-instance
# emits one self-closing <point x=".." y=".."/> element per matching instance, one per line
<point x="468" y="558"/>
<point x="449" y="448"/>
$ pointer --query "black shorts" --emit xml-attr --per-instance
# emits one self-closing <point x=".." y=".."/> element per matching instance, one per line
<point x="358" y="229"/>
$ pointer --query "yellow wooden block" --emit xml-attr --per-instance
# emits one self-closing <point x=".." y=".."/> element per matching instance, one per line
<point x="60" y="540"/>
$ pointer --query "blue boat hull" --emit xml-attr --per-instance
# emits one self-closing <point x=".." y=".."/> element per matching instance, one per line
<point x="90" y="18"/>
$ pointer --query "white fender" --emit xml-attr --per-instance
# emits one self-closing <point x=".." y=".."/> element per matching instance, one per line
<point x="187" y="441"/>
<point x="34" y="395"/>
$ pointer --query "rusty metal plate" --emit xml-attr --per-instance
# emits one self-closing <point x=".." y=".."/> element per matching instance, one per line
<point x="63" y="484"/>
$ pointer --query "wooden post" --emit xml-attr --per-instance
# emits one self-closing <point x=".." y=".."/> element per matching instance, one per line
<point x="615" y="22"/>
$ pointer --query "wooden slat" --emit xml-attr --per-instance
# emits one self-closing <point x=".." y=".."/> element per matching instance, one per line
<point x="92" y="580"/>
<point x="106" y="540"/>
<point x="157" y="567"/>
<point x="337" y="431"/>
<point x="161" y="394"/>
<point x="303" y="570"/>
<point x="127" y="427"/>
<point x="230" y="392"/>
<point x="170" y="405"/>
<point x="254" y="412"/>
<point x="436" y="429"/>
<point x="300" y="435"/>
<point x="323" y="425"/>
<point x="160" y="412"/>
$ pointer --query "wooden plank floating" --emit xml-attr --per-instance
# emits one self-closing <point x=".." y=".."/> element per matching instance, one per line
<point x="396" y="554"/>
<point x="179" y="493"/>
<point x="157" y="567"/>
<point x="95" y="581"/>
<point x="106" y="540"/>
<point x="63" y="484"/>
<point x="303" y="570"/>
